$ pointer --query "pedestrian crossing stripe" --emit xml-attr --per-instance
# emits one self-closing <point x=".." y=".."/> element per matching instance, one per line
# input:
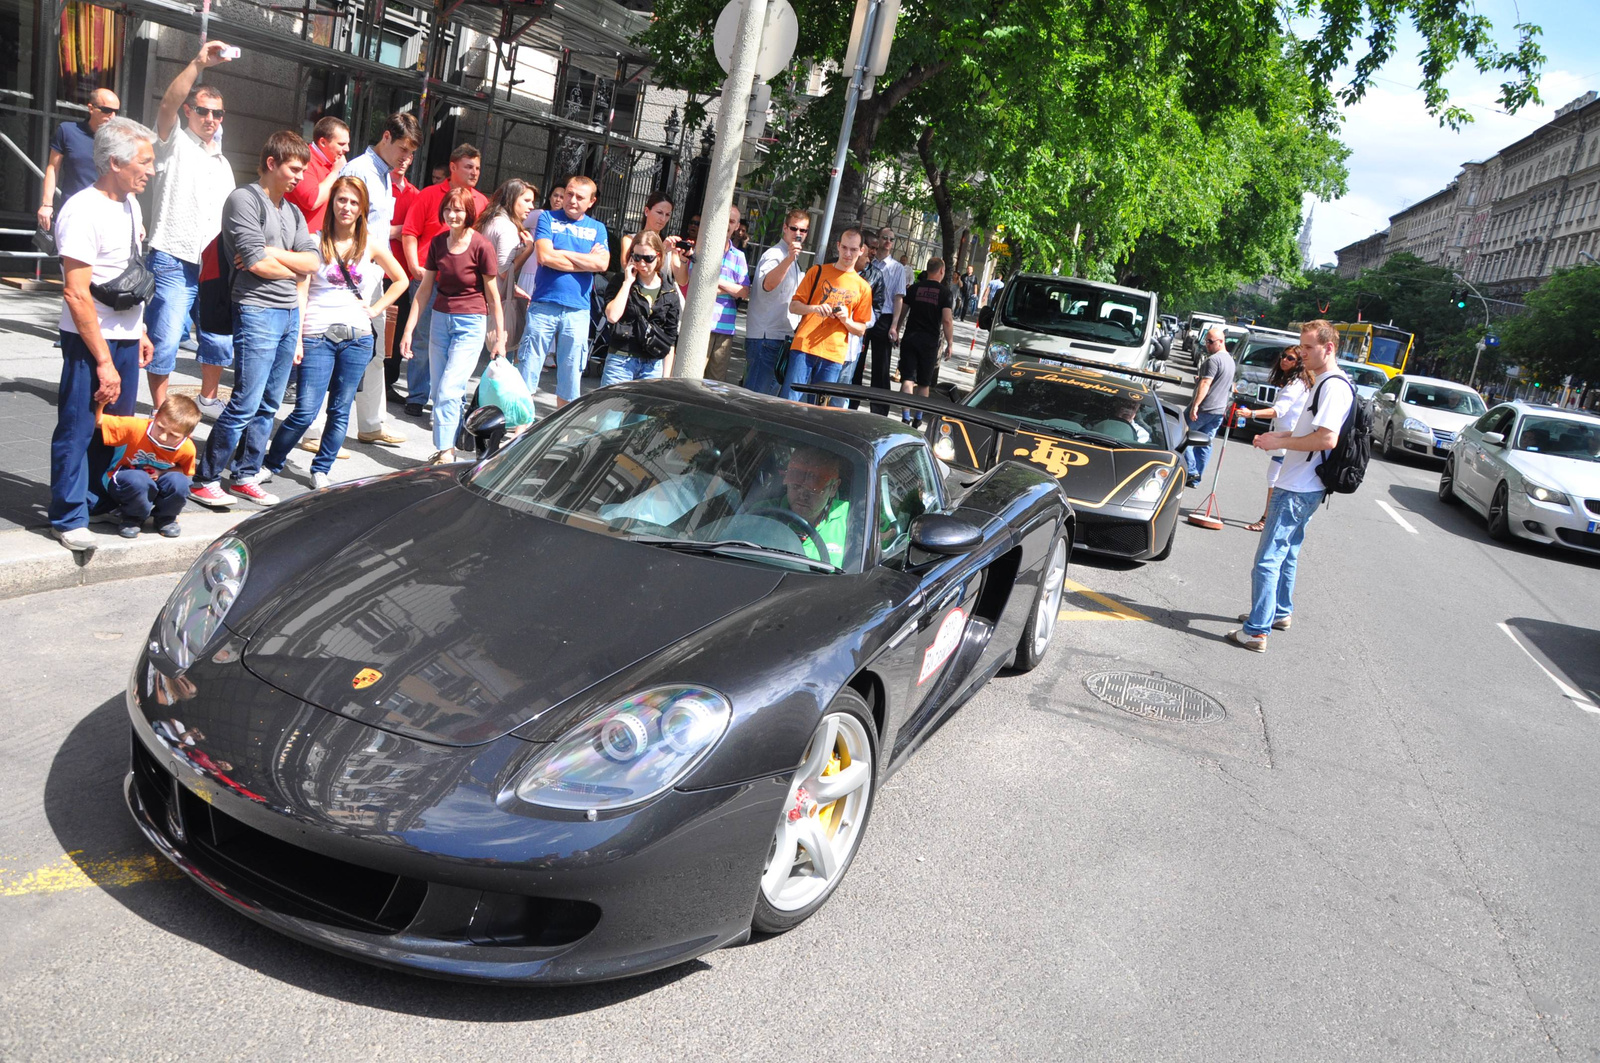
<point x="1113" y="609"/>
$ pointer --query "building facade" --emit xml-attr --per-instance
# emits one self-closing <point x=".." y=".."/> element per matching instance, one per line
<point x="1363" y="254"/>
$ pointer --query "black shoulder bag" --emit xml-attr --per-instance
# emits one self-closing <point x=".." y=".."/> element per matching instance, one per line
<point x="134" y="285"/>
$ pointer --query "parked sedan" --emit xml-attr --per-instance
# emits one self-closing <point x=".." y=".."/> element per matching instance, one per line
<point x="601" y="703"/>
<point x="1420" y="415"/>
<point x="1533" y="472"/>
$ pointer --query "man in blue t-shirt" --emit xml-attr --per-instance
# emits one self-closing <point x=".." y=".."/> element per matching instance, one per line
<point x="571" y="248"/>
<point x="71" y="166"/>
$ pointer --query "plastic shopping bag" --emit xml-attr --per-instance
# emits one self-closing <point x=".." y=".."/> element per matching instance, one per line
<point x="502" y="385"/>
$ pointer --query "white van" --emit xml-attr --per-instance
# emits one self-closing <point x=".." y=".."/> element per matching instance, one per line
<point x="1038" y="314"/>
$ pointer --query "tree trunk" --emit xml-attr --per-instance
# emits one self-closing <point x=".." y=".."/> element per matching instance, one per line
<point x="869" y="119"/>
<point x="939" y="183"/>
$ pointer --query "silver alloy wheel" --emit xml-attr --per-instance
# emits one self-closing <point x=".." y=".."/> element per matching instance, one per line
<point x="1049" y="608"/>
<point x="824" y="816"/>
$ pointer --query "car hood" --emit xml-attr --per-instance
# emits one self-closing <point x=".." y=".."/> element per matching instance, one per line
<point x="460" y="619"/>
<point x="1091" y="474"/>
<point x="1129" y="355"/>
<point x="1572" y="475"/>
<point x="1442" y="420"/>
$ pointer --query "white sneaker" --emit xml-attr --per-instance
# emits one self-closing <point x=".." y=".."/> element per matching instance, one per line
<point x="263" y="476"/>
<point x="210" y="407"/>
<point x="75" y="539"/>
<point x="319" y="480"/>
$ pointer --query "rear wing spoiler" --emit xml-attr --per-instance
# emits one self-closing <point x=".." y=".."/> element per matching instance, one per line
<point x="1089" y="363"/>
<point x="923" y="404"/>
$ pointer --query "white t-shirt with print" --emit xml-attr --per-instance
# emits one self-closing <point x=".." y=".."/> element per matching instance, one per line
<point x="331" y="301"/>
<point x="94" y="228"/>
<point x="1333" y="394"/>
<point x="192" y="183"/>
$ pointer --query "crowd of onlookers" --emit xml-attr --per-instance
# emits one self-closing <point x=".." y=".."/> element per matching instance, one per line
<point x="290" y="280"/>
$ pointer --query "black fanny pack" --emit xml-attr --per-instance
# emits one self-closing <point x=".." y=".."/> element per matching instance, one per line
<point x="133" y="285"/>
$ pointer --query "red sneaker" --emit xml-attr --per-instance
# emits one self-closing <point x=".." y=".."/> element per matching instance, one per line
<point x="251" y="490"/>
<point x="210" y="495"/>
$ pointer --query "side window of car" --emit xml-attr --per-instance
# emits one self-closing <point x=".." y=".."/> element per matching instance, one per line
<point x="1496" y="420"/>
<point x="907" y="488"/>
<point x="1392" y="387"/>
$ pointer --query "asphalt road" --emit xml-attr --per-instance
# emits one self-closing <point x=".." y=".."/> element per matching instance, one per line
<point x="1387" y="848"/>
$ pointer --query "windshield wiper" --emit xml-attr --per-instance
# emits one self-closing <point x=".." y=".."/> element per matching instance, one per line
<point x="732" y="548"/>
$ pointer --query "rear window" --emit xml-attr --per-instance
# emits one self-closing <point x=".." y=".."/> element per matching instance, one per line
<point x="1443" y="397"/>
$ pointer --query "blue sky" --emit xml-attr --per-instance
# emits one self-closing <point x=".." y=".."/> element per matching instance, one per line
<point x="1400" y="154"/>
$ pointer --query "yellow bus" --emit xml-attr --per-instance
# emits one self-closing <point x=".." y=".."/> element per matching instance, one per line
<point x="1383" y="346"/>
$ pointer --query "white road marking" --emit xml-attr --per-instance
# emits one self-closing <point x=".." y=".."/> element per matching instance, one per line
<point x="1577" y="697"/>
<point x="1398" y="519"/>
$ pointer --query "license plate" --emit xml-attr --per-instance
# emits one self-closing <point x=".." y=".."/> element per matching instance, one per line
<point x="1051" y="361"/>
<point x="1594" y="526"/>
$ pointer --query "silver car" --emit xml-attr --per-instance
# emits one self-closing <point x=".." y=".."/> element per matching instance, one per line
<point x="1420" y="415"/>
<point x="1532" y="471"/>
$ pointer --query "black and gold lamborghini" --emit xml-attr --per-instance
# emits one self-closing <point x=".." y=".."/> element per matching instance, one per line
<point x="1102" y="432"/>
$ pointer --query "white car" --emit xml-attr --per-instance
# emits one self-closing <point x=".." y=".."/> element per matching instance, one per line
<point x="1532" y="471"/>
<point x="1420" y="415"/>
<point x="1367" y="379"/>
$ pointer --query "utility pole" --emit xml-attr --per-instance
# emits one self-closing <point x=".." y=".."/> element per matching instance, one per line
<point x="1472" y="380"/>
<point x="858" y="77"/>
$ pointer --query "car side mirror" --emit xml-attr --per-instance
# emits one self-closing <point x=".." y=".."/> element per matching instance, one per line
<point x="1494" y="439"/>
<point x="940" y="533"/>
<point x="951" y="392"/>
<point x="1194" y="439"/>
<point x="487" y="426"/>
<point x="986" y="318"/>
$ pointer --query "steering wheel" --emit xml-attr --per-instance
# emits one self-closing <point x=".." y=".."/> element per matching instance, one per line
<point x="797" y="524"/>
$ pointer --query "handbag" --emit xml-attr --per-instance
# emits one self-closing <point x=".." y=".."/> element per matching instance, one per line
<point x="134" y="285"/>
<point x="780" y="367"/>
<point x="44" y="242"/>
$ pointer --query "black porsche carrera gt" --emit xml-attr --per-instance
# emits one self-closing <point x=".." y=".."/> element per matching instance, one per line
<point x="594" y="706"/>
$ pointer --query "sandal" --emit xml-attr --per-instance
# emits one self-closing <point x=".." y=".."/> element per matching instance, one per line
<point x="1259" y="525"/>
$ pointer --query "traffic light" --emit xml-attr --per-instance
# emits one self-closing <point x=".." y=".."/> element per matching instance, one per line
<point x="1458" y="297"/>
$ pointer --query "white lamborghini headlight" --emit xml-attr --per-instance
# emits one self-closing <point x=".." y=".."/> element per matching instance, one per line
<point x="1548" y="495"/>
<point x="1149" y="492"/>
<point x="193" y="615"/>
<point x="629" y="751"/>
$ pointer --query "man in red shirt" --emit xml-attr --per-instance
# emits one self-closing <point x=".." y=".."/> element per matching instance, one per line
<point x="404" y="194"/>
<point x="330" y="143"/>
<point x="421" y="226"/>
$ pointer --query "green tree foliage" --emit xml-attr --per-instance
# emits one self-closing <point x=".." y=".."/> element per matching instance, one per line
<point x="1560" y="333"/>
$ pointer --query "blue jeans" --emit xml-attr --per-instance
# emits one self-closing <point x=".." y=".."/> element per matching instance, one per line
<point x="331" y="369"/>
<point x="761" y="363"/>
<point x="621" y="368"/>
<point x="166" y="315"/>
<point x="69" y="443"/>
<point x="809" y="369"/>
<point x="1277" y="555"/>
<point x="1196" y="457"/>
<point x="419" y="377"/>
<point x="565" y="330"/>
<point x="456" y="340"/>
<point x="263" y="342"/>
<point x="140" y="496"/>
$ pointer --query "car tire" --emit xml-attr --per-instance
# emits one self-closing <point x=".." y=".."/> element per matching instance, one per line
<point x="1166" y="551"/>
<point x="1388" y="442"/>
<point x="1499" y="515"/>
<point x="1043" y="617"/>
<point x="1447" y="483"/>
<point x="814" y="842"/>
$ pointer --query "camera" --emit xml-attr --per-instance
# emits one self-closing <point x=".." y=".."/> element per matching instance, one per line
<point x="231" y="52"/>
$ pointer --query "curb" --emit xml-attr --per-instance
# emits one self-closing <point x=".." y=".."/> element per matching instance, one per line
<point x="32" y="562"/>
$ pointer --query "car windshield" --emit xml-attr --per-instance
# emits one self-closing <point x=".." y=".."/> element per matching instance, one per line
<point x="1561" y="437"/>
<point x="1364" y="375"/>
<point x="1264" y="354"/>
<point x="1076" y="308"/>
<point x="1090" y="405"/>
<point x="1443" y="397"/>
<point x="681" y="476"/>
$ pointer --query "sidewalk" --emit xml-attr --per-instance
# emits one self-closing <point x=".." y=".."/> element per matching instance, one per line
<point x="30" y="368"/>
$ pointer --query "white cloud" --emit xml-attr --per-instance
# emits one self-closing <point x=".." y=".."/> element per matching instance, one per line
<point x="1399" y="154"/>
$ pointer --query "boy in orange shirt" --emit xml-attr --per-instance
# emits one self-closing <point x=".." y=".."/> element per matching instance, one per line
<point x="148" y="463"/>
<point x="834" y="304"/>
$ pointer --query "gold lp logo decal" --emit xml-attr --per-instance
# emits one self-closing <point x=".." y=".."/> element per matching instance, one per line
<point x="365" y="678"/>
<point x="1055" y="458"/>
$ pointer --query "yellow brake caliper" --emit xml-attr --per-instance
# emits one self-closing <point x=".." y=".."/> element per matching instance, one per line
<point x="836" y="763"/>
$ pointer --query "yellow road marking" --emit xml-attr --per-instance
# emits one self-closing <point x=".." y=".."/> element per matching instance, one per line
<point x="72" y="872"/>
<point x="1114" y="610"/>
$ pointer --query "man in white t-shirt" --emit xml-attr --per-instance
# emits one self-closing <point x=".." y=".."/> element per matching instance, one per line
<point x="1299" y="490"/>
<point x="768" y="325"/>
<point x="102" y="347"/>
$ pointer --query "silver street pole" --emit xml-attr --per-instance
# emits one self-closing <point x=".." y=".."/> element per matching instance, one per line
<point x="700" y="311"/>
<point x="852" y="98"/>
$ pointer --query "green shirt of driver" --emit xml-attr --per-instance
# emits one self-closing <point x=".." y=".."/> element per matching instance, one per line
<point x="834" y="527"/>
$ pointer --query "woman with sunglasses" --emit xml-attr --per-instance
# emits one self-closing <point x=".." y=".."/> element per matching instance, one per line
<point x="1293" y="382"/>
<point x="643" y="313"/>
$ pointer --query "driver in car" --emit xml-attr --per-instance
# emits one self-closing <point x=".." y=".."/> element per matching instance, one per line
<point x="811" y="492"/>
<point x="1123" y="423"/>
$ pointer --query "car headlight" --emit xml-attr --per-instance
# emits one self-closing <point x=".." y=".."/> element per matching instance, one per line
<point x="193" y="615"/>
<point x="629" y="751"/>
<point x="1548" y="495"/>
<point x="1000" y="353"/>
<point x="1413" y="425"/>
<point x="1149" y="492"/>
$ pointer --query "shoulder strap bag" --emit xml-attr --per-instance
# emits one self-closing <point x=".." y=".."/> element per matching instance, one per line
<point x="134" y="285"/>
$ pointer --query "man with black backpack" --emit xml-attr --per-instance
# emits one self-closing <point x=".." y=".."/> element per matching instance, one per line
<point x="1322" y="447"/>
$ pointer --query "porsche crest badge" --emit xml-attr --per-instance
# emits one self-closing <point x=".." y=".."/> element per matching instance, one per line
<point x="365" y="678"/>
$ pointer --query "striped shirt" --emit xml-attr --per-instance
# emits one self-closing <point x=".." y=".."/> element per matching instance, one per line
<point x="735" y="270"/>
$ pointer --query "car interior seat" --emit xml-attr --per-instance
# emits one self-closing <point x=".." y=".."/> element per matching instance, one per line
<point x="1536" y="439"/>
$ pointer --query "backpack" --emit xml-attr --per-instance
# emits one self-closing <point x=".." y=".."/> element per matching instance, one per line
<point x="1345" y="466"/>
<point x="214" y="300"/>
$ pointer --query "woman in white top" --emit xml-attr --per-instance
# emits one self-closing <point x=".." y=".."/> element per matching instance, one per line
<point x="1293" y="382"/>
<point x="336" y="326"/>
<point x="504" y="222"/>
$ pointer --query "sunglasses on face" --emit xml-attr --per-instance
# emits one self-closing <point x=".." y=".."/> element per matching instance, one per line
<point x="798" y="229"/>
<point x="646" y="259"/>
<point x="105" y="110"/>
<point x="210" y="112"/>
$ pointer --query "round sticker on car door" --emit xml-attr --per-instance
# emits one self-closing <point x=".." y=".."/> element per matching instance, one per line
<point x="944" y="644"/>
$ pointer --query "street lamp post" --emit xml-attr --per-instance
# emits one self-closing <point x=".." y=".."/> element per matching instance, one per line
<point x="1472" y="381"/>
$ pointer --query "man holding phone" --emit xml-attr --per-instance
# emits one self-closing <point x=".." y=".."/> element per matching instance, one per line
<point x="834" y="303"/>
<point x="769" y="326"/>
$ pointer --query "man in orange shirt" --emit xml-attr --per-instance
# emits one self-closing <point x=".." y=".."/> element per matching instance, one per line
<point x="834" y="304"/>
<point x="148" y="463"/>
<point x="330" y="143"/>
<point x="422" y="224"/>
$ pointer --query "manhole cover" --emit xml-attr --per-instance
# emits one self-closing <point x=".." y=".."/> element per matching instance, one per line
<point x="1155" y="697"/>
